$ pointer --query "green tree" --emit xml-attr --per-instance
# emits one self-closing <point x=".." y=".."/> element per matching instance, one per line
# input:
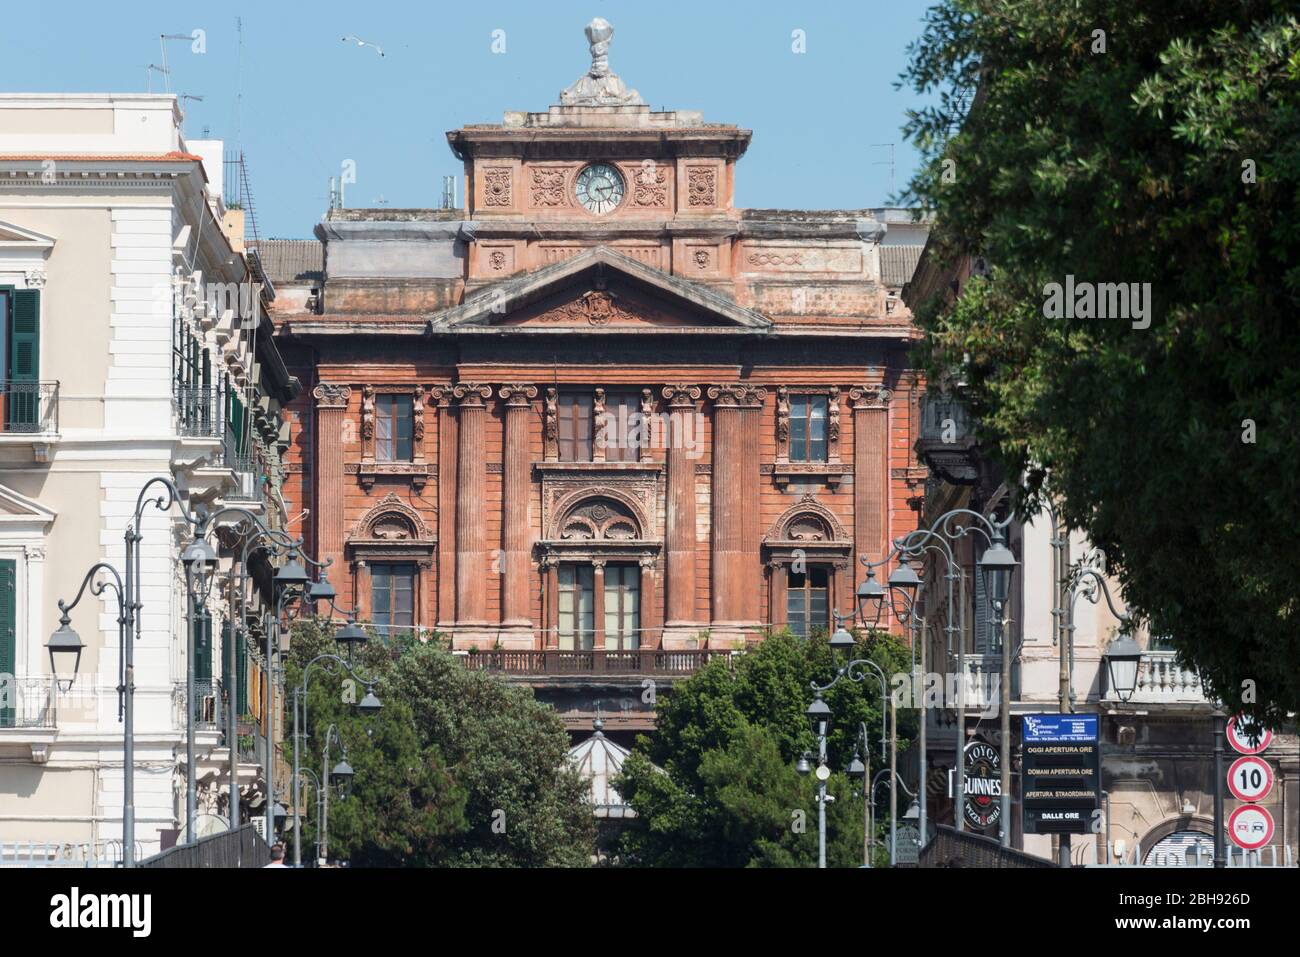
<point x="715" y="786"/>
<point x="1120" y="142"/>
<point x="460" y="768"/>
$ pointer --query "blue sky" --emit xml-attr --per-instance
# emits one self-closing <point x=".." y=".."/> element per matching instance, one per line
<point x="311" y="101"/>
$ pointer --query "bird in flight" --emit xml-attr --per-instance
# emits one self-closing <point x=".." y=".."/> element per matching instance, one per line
<point x="364" y="43"/>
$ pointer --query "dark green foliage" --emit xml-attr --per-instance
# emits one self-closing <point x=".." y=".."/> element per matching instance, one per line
<point x="727" y="741"/>
<point x="1128" y="166"/>
<point x="451" y="753"/>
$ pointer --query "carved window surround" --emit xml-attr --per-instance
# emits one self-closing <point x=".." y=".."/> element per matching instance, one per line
<point x="643" y="551"/>
<point x="418" y="469"/>
<point x="392" y="531"/>
<point x="833" y="474"/>
<point x="597" y="468"/>
<point x="810" y="532"/>
<point x="833" y="469"/>
<point x="551" y="427"/>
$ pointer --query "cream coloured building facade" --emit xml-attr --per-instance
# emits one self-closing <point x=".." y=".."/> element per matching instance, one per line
<point x="119" y="366"/>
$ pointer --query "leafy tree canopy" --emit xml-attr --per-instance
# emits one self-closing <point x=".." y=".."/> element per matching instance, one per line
<point x="1118" y="142"/>
<point x="716" y="785"/>
<point x="460" y="768"/>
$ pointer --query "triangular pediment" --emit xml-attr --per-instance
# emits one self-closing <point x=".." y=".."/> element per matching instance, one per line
<point x="16" y="508"/>
<point x="12" y="235"/>
<point x="599" y="290"/>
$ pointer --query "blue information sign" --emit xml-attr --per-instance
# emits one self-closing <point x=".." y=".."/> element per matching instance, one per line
<point x="1060" y="727"/>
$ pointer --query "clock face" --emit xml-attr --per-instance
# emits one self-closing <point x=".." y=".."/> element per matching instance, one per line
<point x="599" y="188"/>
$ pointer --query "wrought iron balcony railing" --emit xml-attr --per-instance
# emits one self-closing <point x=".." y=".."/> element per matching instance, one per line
<point x="29" y="408"/>
<point x="200" y="411"/>
<point x="555" y="661"/>
<point x="28" y="701"/>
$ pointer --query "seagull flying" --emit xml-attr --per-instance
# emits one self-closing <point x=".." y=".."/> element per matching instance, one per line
<point x="364" y="43"/>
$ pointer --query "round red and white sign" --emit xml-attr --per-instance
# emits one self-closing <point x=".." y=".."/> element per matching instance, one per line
<point x="1250" y="827"/>
<point x="1250" y="779"/>
<point x="1247" y="737"/>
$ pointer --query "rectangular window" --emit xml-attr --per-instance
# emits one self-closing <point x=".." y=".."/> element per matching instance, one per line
<point x="622" y="607"/>
<point x="807" y="428"/>
<point x="394" y="417"/>
<point x="575" y="427"/>
<point x="392" y="596"/>
<point x="807" y="600"/>
<point x="623" y="433"/>
<point x="22" y="358"/>
<point x="577" y="608"/>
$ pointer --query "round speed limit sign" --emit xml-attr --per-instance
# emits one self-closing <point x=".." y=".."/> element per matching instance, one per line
<point x="1250" y="779"/>
<point x="1250" y="827"/>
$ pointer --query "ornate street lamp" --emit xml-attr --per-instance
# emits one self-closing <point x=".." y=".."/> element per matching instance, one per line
<point x="341" y="777"/>
<point x="1122" y="658"/>
<point x="64" y="645"/>
<point x="996" y="566"/>
<point x="200" y="563"/>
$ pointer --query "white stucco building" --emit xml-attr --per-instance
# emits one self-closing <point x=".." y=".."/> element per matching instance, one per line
<point x="115" y="369"/>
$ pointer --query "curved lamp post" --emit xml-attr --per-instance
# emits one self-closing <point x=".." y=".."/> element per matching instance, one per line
<point x="341" y="777"/>
<point x="65" y="644"/>
<point x="368" y="705"/>
<point x="996" y="566"/>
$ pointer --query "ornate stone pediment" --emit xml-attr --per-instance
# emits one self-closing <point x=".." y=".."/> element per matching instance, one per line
<point x="391" y="524"/>
<point x="810" y="530"/>
<point x="598" y="290"/>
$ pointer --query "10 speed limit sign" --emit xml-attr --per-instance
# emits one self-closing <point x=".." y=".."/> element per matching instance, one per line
<point x="1250" y="779"/>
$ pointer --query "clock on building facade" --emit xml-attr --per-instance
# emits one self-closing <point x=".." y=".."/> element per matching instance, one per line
<point x="599" y="188"/>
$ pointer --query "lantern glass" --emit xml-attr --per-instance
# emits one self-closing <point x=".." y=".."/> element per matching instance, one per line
<point x="65" y="647"/>
<point x="1123" y="655"/>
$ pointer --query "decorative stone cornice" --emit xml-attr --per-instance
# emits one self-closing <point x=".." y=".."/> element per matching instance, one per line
<point x="681" y="396"/>
<point x="870" y="397"/>
<point x="737" y="395"/>
<point x="329" y="395"/>
<point x="518" y="395"/>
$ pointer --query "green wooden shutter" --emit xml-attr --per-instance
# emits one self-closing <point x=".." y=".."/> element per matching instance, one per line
<point x="241" y="673"/>
<point x="203" y="651"/>
<point x="8" y="641"/>
<point x="22" y="411"/>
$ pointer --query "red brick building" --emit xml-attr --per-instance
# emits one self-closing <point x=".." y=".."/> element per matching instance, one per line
<point x="601" y="409"/>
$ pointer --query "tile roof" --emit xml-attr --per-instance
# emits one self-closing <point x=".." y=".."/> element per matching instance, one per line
<point x="897" y="263"/>
<point x="287" y="261"/>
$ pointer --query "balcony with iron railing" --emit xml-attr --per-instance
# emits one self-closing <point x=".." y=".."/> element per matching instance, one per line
<point x="28" y="702"/>
<point x="210" y="715"/>
<point x="555" y="662"/>
<point x="29" y="415"/>
<point x="200" y="411"/>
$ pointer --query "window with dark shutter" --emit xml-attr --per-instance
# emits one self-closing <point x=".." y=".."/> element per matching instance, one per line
<point x="8" y="641"/>
<point x="22" y="410"/>
<point x="203" y="649"/>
